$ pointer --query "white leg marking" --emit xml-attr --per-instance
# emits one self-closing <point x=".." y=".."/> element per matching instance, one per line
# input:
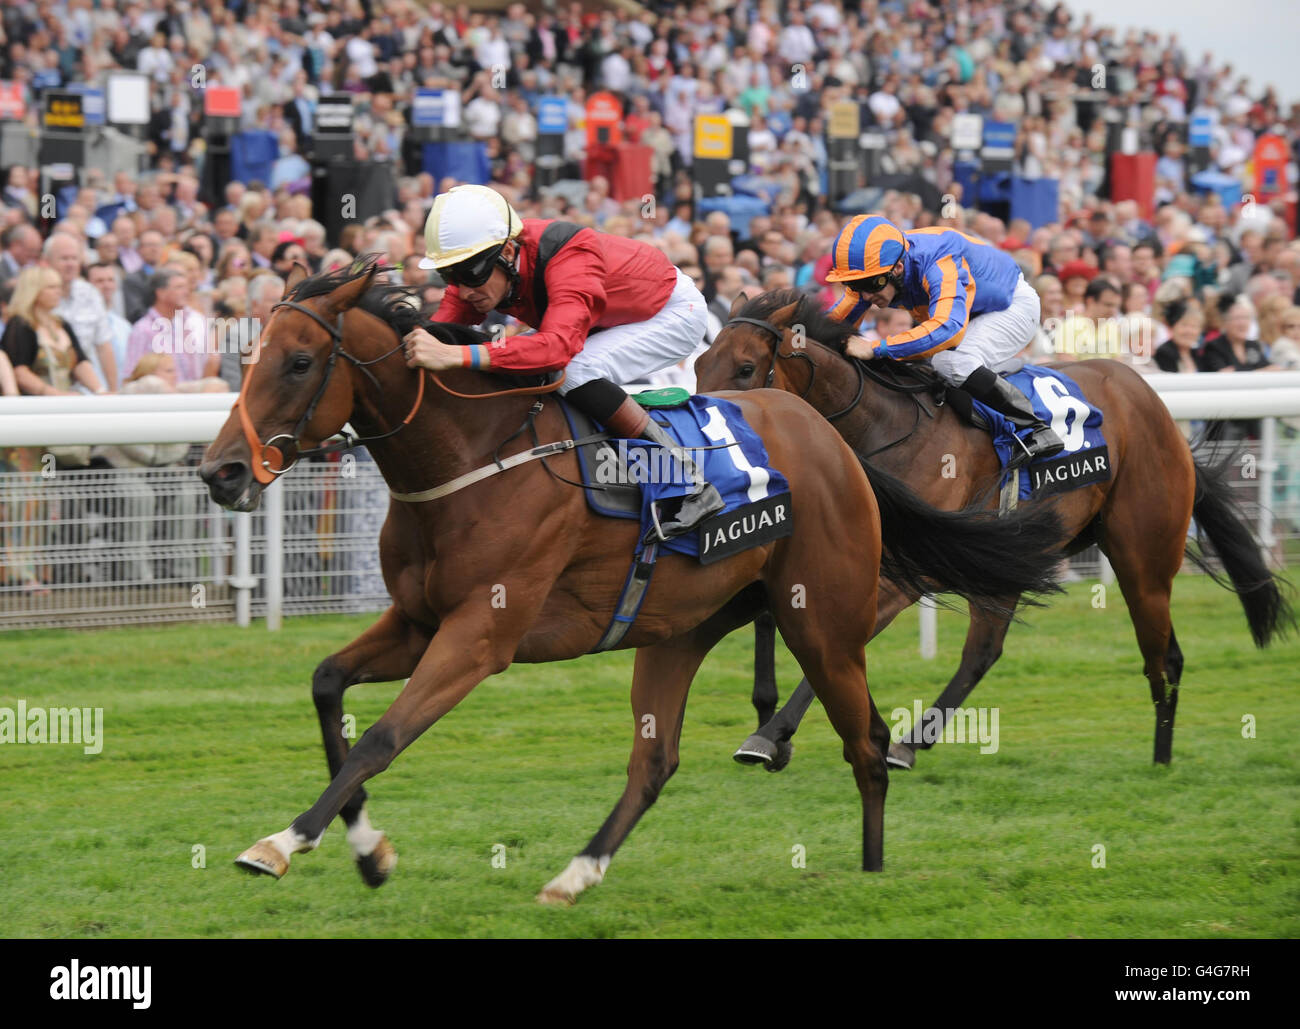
<point x="583" y="871"/>
<point x="363" y="838"/>
<point x="289" y="843"/>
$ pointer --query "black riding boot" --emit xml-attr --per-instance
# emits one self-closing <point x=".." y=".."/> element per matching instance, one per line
<point x="993" y="390"/>
<point x="624" y="418"/>
<point x="702" y="498"/>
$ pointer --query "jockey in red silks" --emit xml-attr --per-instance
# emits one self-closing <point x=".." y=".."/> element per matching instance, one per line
<point x="972" y="305"/>
<point x="648" y="313"/>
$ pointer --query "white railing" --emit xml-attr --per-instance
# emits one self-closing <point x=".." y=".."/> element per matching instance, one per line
<point x="113" y="546"/>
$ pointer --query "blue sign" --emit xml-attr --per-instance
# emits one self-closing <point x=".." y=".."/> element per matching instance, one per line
<point x="552" y="115"/>
<point x="1000" y="136"/>
<point x="92" y="103"/>
<point x="429" y="107"/>
<point x="1200" y="131"/>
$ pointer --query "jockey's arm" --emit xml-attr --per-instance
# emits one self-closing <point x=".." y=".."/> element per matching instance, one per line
<point x="852" y="308"/>
<point x="951" y="291"/>
<point x="575" y="283"/>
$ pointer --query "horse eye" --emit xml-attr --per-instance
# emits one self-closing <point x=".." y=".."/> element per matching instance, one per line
<point x="301" y="363"/>
<point x="745" y="371"/>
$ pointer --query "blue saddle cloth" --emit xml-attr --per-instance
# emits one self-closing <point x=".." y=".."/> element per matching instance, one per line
<point x="1058" y="401"/>
<point x="756" y="495"/>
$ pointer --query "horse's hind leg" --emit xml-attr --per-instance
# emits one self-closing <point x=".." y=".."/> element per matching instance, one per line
<point x="389" y="650"/>
<point x="660" y="682"/>
<point x="830" y="649"/>
<point x="1146" y="579"/>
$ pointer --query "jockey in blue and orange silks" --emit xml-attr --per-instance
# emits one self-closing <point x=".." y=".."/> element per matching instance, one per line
<point x="972" y="305"/>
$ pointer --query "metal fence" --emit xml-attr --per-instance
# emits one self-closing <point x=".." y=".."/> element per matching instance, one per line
<point x="121" y="546"/>
<point x="125" y="546"/>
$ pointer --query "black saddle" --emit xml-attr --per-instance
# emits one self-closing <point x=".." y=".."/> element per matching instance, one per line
<point x="612" y="500"/>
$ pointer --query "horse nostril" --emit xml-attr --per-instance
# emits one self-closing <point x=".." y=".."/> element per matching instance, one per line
<point x="223" y="473"/>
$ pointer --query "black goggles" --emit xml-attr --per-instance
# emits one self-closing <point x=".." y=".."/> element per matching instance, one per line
<point x="474" y="271"/>
<point x="871" y="284"/>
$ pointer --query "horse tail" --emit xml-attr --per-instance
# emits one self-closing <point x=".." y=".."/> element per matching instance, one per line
<point x="1219" y="521"/>
<point x="975" y="554"/>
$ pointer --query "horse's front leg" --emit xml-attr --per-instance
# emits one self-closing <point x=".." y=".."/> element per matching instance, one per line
<point x="771" y="746"/>
<point x="467" y="648"/>
<point x="984" y="637"/>
<point x="389" y="650"/>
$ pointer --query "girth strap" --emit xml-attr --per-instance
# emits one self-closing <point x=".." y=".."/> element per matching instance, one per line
<point x="487" y="471"/>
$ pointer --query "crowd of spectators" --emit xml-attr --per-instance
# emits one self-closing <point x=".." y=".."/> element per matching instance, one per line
<point x="1198" y="285"/>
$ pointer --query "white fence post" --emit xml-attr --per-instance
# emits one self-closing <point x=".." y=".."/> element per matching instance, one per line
<point x="242" y="582"/>
<point x="1107" y="574"/>
<point x="274" y="568"/>
<point x="1267" y="468"/>
<point x="929" y="628"/>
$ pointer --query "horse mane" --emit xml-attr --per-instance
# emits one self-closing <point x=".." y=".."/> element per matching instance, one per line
<point x="817" y="324"/>
<point x="390" y="302"/>
<point x="820" y="327"/>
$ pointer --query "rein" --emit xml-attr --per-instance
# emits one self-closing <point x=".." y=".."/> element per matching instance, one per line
<point x="863" y="370"/>
<point x="265" y="453"/>
<point x="779" y="336"/>
<point x="521" y="391"/>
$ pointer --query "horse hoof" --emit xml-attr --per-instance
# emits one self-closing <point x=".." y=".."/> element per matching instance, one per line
<point x="784" y="752"/>
<point x="378" y="865"/>
<point x="900" y="756"/>
<point x="262" y="858"/>
<point x="556" y="898"/>
<point x="759" y="750"/>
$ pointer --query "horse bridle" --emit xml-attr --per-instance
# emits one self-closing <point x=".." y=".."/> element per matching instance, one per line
<point x="263" y="454"/>
<point x="778" y="336"/>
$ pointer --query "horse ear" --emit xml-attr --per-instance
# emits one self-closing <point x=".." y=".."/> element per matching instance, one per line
<point x="296" y="276"/>
<point x="783" y="315"/>
<point x="737" y="304"/>
<point x="345" y="297"/>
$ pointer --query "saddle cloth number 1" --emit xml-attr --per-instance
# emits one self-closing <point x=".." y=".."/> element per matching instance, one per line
<point x="717" y="430"/>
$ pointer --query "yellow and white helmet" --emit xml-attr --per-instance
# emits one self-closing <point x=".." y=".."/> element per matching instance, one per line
<point x="465" y="223"/>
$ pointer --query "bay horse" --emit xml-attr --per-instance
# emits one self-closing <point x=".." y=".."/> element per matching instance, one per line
<point x="515" y="567"/>
<point x="1139" y="517"/>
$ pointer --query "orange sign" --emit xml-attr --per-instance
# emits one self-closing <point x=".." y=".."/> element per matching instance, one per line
<point x="604" y="120"/>
<point x="222" y="102"/>
<point x="1271" y="158"/>
<point x="12" y="105"/>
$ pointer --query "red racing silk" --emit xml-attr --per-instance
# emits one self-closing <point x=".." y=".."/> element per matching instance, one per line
<point x="595" y="281"/>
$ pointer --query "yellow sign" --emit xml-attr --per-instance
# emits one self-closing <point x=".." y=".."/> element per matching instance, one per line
<point x="65" y="114"/>
<point x="844" y="120"/>
<point x="713" y="136"/>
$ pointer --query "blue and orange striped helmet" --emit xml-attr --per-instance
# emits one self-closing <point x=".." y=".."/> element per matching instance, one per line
<point x="867" y="245"/>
